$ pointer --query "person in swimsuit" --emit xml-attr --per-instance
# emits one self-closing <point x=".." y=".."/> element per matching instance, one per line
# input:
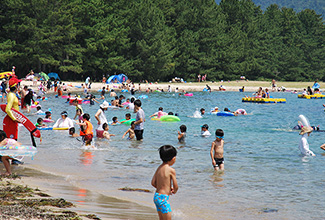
<point x="216" y="151"/>
<point x="86" y="129"/>
<point x="106" y="134"/>
<point x="130" y="131"/>
<point x="182" y="134"/>
<point x="164" y="180"/>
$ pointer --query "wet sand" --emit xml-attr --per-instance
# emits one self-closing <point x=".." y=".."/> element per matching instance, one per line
<point x="85" y="204"/>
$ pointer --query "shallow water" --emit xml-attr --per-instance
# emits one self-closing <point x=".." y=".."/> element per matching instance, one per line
<point x="264" y="178"/>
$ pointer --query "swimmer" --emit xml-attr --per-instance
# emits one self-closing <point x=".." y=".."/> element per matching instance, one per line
<point x="39" y="110"/>
<point x="202" y="111"/>
<point x="216" y="109"/>
<point x="303" y="144"/>
<point x="72" y="132"/>
<point x="106" y="134"/>
<point x="115" y="121"/>
<point x="159" y="113"/>
<point x="205" y="130"/>
<point x="130" y="131"/>
<point x="182" y="134"/>
<point x="127" y="117"/>
<point x="39" y="123"/>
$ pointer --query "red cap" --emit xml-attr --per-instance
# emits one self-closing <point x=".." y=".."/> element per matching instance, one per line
<point x="14" y="81"/>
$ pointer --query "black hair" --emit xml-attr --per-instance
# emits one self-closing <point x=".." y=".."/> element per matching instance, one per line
<point x="104" y="125"/>
<point x="64" y="113"/>
<point x="132" y="123"/>
<point x="39" y="120"/>
<point x="86" y="116"/>
<point x="219" y="132"/>
<point x="79" y="110"/>
<point x="170" y="113"/>
<point x="13" y="88"/>
<point x="72" y="130"/>
<point x="132" y="99"/>
<point x="160" y="108"/>
<point x="114" y="119"/>
<point x="127" y="115"/>
<point x="38" y="107"/>
<point x="167" y="153"/>
<point x="137" y="103"/>
<point x="3" y="135"/>
<point x="202" y="109"/>
<point x="122" y="96"/>
<point x="116" y="97"/>
<point x="183" y="128"/>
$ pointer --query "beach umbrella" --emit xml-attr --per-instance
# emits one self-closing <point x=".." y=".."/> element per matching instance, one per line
<point x="54" y="75"/>
<point x="5" y="74"/>
<point x="44" y="76"/>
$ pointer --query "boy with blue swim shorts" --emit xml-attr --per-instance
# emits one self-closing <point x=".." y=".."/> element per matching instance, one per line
<point x="164" y="180"/>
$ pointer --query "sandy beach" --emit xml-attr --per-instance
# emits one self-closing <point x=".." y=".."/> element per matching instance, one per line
<point x="250" y="86"/>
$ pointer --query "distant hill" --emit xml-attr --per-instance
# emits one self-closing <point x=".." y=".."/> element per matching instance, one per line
<point x="297" y="5"/>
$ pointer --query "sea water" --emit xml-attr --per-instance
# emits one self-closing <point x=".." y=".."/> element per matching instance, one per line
<point x="264" y="177"/>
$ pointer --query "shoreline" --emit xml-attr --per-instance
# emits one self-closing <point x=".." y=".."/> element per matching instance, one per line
<point x="250" y="86"/>
<point x="77" y="203"/>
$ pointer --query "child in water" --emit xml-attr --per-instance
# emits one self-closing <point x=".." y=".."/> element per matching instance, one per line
<point x="216" y="151"/>
<point x="72" y="132"/>
<point x="182" y="134"/>
<point x="39" y="123"/>
<point x="164" y="180"/>
<point x="115" y="121"/>
<point x="205" y="130"/>
<point x="5" y="159"/>
<point x="130" y="131"/>
<point x="106" y="134"/>
<point x="86" y="129"/>
<point x="127" y="117"/>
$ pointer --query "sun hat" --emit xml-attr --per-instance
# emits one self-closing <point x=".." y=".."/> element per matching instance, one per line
<point x="305" y="130"/>
<point x="205" y="126"/>
<point x="104" y="104"/>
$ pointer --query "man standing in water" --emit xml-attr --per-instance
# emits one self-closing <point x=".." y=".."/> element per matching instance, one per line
<point x="139" y="120"/>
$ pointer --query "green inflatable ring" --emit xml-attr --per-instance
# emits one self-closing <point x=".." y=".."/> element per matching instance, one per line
<point x="169" y="118"/>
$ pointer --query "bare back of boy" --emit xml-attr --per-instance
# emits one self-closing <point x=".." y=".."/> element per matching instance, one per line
<point x="217" y="154"/>
<point x="163" y="179"/>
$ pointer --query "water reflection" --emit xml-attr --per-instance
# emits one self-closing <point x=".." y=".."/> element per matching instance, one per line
<point x="217" y="179"/>
<point x="86" y="158"/>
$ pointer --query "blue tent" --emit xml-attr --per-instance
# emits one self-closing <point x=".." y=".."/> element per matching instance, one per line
<point x="54" y="75"/>
<point x="117" y="78"/>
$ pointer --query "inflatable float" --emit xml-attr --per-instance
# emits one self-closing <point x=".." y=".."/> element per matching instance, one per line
<point x="48" y="120"/>
<point x="169" y="118"/>
<point x="24" y="121"/>
<point x="51" y="128"/>
<point x="78" y="99"/>
<point x="15" y="151"/>
<point x="143" y="97"/>
<point x="225" y="114"/>
<point x="264" y="100"/>
<point x="188" y="94"/>
<point x="124" y="90"/>
<point x="128" y="122"/>
<point x="315" y="96"/>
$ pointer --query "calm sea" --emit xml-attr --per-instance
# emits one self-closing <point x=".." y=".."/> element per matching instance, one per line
<point x="264" y="178"/>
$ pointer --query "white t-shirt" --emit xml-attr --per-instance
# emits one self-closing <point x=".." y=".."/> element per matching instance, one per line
<point x="102" y="119"/>
<point x="304" y="146"/>
<point x="63" y="123"/>
<point x="130" y="106"/>
<point x="205" y="133"/>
